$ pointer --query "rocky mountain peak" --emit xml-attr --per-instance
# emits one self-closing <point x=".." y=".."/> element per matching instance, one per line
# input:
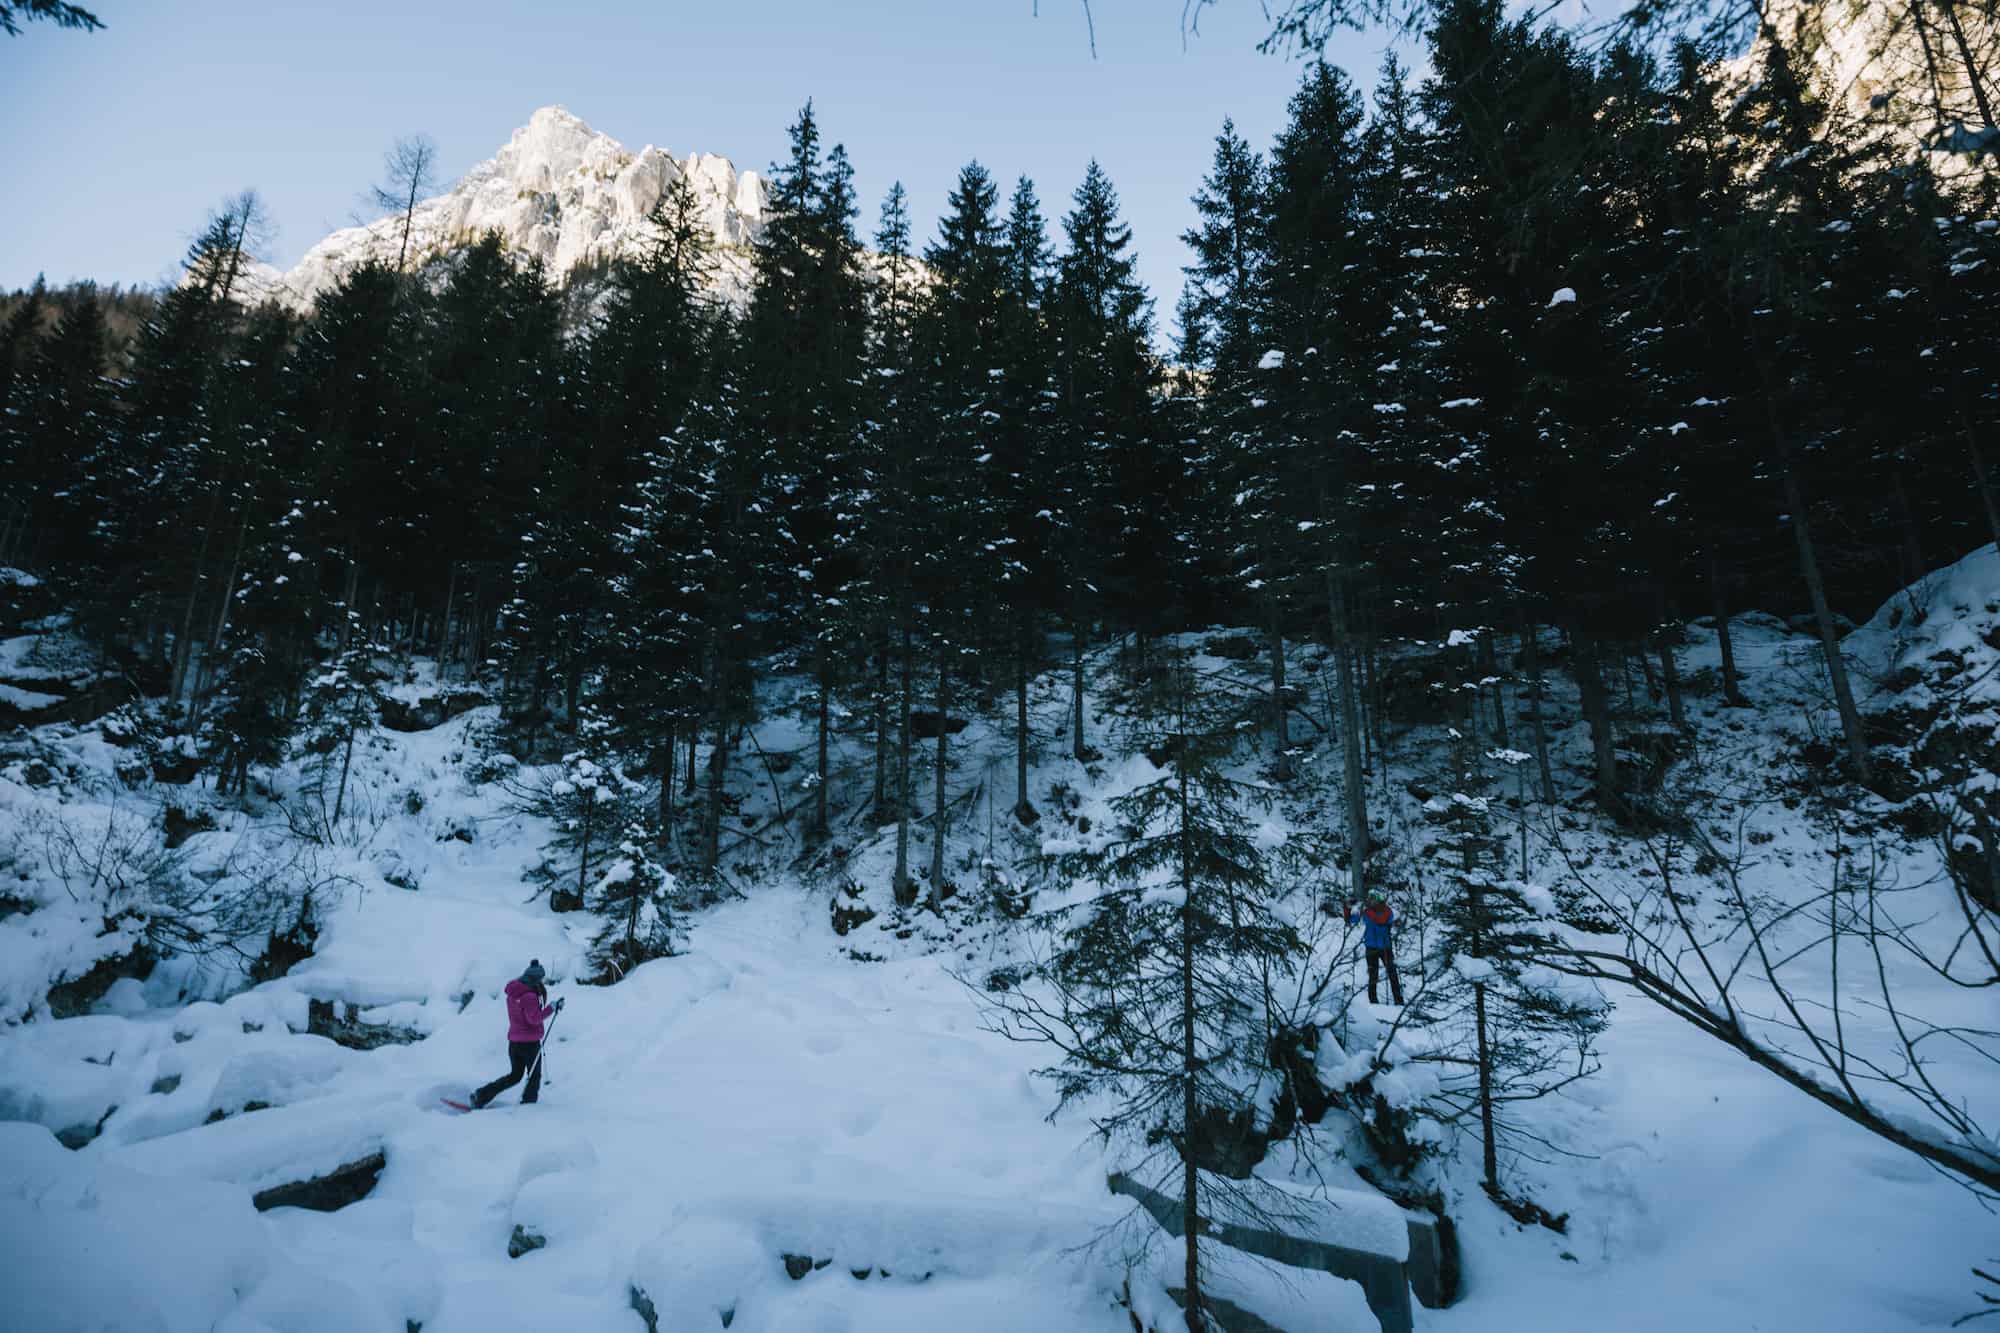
<point x="558" y="191"/>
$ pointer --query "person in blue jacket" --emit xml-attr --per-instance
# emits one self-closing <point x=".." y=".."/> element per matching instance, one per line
<point x="1376" y="918"/>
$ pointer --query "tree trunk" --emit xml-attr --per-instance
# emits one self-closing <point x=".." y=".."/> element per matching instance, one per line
<point x="906" y="893"/>
<point x="1653" y="688"/>
<point x="1369" y="707"/>
<point x="475" y="631"/>
<point x="1586" y="649"/>
<point x="1024" y="809"/>
<point x="664" y="761"/>
<point x="1906" y="520"/>
<point x="1986" y="498"/>
<point x="1350" y="733"/>
<point x="1489" y="662"/>
<point x="1190" y="1068"/>
<point x="1475" y="911"/>
<point x="1531" y="650"/>
<point x="583" y="852"/>
<point x="444" y="623"/>
<point x="1829" y="637"/>
<point x="346" y="763"/>
<point x="819" y="825"/>
<point x="1077" y="745"/>
<point x="881" y="729"/>
<point x="711" y="817"/>
<point x="1283" y="768"/>
<point x="1489" y="1155"/>
<point x="184" y="643"/>
<point x="409" y="216"/>
<point x="1966" y="60"/>
<point x="1671" y="675"/>
<point x="228" y="598"/>
<point x="938" y="817"/>
<point x="1732" y="692"/>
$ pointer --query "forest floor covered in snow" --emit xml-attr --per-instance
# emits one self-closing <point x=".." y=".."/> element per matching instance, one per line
<point x="783" y="1128"/>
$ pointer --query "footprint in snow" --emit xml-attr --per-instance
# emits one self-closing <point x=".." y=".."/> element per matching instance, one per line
<point x="861" y="1120"/>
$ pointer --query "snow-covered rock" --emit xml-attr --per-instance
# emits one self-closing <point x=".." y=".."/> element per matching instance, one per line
<point x="557" y="191"/>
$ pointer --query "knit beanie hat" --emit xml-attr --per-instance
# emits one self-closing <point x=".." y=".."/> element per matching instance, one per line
<point x="533" y="976"/>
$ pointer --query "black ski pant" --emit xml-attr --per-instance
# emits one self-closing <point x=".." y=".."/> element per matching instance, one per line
<point x="1377" y="960"/>
<point x="521" y="1054"/>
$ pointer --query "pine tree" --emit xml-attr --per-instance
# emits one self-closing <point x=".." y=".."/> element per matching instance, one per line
<point x="1319" y="390"/>
<point x="356" y="385"/>
<point x="892" y="439"/>
<point x="160" y="486"/>
<point x="1105" y="386"/>
<point x="652" y="359"/>
<point x="638" y="898"/>
<point x="1780" y="254"/>
<point x="61" y="414"/>
<point x="343" y="701"/>
<point x="1242" y="445"/>
<point x="1158" y="980"/>
<point x="1521" y="1030"/>
<point x="18" y="446"/>
<point x="593" y="807"/>
<point x="1020" y="443"/>
<point x="956" y="562"/>
<point x="805" y="335"/>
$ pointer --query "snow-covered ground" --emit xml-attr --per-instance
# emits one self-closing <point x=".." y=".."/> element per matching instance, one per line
<point x="782" y="1091"/>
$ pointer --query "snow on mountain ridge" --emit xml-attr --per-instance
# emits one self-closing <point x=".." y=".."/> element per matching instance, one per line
<point x="557" y="191"/>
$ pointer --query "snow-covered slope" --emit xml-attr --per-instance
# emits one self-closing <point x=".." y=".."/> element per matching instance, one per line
<point x="558" y="191"/>
<point x="782" y="1091"/>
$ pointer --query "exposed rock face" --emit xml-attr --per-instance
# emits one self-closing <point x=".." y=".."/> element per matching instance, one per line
<point x="345" y="1184"/>
<point x="1898" y="67"/>
<point x="558" y="191"/>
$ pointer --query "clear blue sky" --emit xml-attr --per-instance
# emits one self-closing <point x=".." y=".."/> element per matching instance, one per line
<point x="121" y="140"/>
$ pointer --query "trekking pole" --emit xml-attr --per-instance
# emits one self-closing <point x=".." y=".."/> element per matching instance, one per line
<point x="536" y="1063"/>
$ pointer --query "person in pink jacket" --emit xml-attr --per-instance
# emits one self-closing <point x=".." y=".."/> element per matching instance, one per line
<point x="527" y="1010"/>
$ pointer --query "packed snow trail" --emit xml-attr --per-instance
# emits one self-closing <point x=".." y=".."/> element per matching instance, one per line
<point x="758" y="1098"/>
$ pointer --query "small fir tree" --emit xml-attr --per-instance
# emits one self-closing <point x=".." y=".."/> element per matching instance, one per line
<point x="1156" y="994"/>
<point x="1523" y="1030"/>
<point x="343" y="701"/>
<point x="638" y="898"/>
<point x="591" y="803"/>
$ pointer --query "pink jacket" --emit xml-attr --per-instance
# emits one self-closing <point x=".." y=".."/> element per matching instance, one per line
<point x="525" y="1012"/>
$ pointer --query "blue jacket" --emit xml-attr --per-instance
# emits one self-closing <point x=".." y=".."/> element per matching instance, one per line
<point x="1375" y="923"/>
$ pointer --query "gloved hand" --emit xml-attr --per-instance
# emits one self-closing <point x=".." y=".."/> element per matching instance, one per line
<point x="558" y="1006"/>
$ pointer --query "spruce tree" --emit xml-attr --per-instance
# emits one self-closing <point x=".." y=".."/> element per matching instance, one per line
<point x="343" y="702"/>
<point x="61" y="414"/>
<point x="652" y="363"/>
<point x="1154" y="997"/>
<point x="639" y="899"/>
<point x="1518" y="1029"/>
<point x="1242" y="445"/>
<point x="592" y="806"/>
<point x="1312" y="494"/>
<point x="892" y="439"/>
<point x="804" y="336"/>
<point x="1105" y="386"/>
<point x="1020" y="443"/>
<point x="956" y="561"/>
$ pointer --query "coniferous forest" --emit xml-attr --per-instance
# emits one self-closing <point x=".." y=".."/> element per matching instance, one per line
<point x="1489" y="391"/>
<point x="1557" y="337"/>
